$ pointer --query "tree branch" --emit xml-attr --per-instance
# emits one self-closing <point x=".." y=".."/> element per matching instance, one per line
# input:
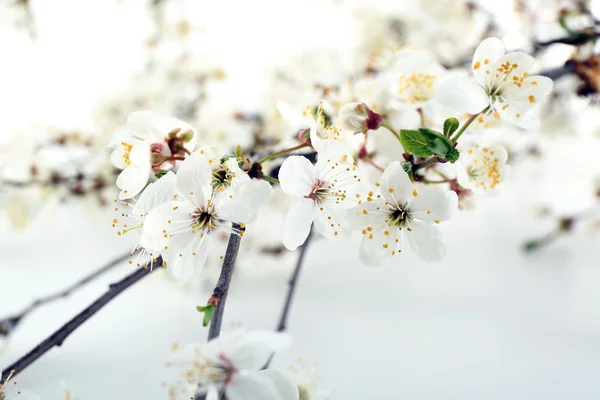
<point x="219" y="296"/>
<point x="292" y="283"/>
<point x="58" y="337"/>
<point x="7" y="325"/>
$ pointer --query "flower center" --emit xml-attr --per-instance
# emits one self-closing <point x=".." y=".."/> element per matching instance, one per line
<point x="398" y="217"/>
<point x="416" y="88"/>
<point x="204" y="219"/>
<point x="319" y="193"/>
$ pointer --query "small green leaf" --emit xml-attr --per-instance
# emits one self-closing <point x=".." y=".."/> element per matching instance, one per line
<point x="208" y="311"/>
<point x="439" y="144"/>
<point x="407" y="167"/>
<point x="415" y="142"/>
<point x="160" y="174"/>
<point x="450" y="126"/>
<point x="452" y="155"/>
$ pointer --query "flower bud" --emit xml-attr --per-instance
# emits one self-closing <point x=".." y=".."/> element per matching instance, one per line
<point x="357" y="117"/>
<point x="187" y="136"/>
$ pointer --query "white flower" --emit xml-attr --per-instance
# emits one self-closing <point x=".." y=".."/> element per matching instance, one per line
<point x="416" y="76"/>
<point x="147" y="144"/>
<point x="8" y="391"/>
<point x="182" y="228"/>
<point x="231" y="364"/>
<point x="503" y="83"/>
<point x="397" y="211"/>
<point x="482" y="169"/>
<point x="322" y="192"/>
<point x="305" y="378"/>
<point x="357" y="117"/>
<point x="324" y="137"/>
<point x="154" y="195"/>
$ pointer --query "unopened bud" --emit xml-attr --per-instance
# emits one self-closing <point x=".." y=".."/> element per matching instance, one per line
<point x="173" y="133"/>
<point x="357" y="117"/>
<point x="187" y="136"/>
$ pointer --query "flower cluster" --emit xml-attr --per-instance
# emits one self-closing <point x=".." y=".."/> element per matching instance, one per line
<point x="394" y="193"/>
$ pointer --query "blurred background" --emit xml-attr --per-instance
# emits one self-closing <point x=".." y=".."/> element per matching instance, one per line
<point x="513" y="311"/>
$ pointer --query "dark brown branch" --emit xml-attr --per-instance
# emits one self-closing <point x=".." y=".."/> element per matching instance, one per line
<point x="219" y="296"/>
<point x="7" y="325"/>
<point x="292" y="283"/>
<point x="58" y="337"/>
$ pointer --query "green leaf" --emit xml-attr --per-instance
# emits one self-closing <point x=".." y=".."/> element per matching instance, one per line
<point x="160" y="174"/>
<point x="453" y="155"/>
<point x="450" y="126"/>
<point x="408" y="168"/>
<point x="439" y="144"/>
<point x="208" y="311"/>
<point x="415" y="142"/>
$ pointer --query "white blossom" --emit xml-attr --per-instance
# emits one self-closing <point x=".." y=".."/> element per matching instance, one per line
<point x="133" y="217"/>
<point x="482" y="168"/>
<point x="396" y="211"/>
<point x="324" y="137"/>
<point x="322" y="193"/>
<point x="503" y="82"/>
<point x="143" y="146"/>
<point x="232" y="364"/>
<point x="182" y="228"/>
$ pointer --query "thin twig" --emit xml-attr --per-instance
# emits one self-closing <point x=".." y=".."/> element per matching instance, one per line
<point x="219" y="296"/>
<point x="292" y="284"/>
<point x="7" y="325"/>
<point x="58" y="337"/>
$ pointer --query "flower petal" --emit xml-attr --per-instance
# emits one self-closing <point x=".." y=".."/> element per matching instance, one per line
<point x="253" y="349"/>
<point x="242" y="202"/>
<point x="131" y="181"/>
<point x="425" y="240"/>
<point x="156" y="193"/>
<point x="194" y="179"/>
<point x="488" y="52"/>
<point x="298" y="222"/>
<point x="396" y="186"/>
<point x="285" y="388"/>
<point x="462" y="94"/>
<point x="433" y="205"/>
<point x="371" y="251"/>
<point x="117" y="157"/>
<point x="163" y="221"/>
<point x="186" y="265"/>
<point x="140" y="154"/>
<point x="250" y="387"/>
<point x="297" y="176"/>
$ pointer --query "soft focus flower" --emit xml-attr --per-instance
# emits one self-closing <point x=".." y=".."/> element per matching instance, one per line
<point x="397" y="211"/>
<point x="357" y="117"/>
<point x="147" y="144"/>
<point x="232" y="364"/>
<point x="503" y="83"/>
<point x="482" y="169"/>
<point x="322" y="192"/>
<point x="181" y="228"/>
